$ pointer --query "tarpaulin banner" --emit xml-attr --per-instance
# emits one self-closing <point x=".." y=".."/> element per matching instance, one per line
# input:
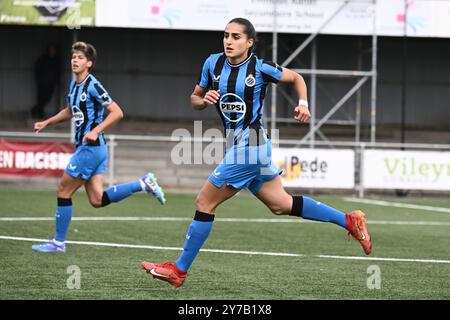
<point x="424" y="18"/>
<point x="70" y="13"/>
<point x="316" y="168"/>
<point x="48" y="159"/>
<point x="412" y="170"/>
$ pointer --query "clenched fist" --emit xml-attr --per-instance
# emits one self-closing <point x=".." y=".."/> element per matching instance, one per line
<point x="302" y="114"/>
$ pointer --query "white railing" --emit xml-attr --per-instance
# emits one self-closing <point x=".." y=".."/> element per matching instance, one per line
<point x="359" y="147"/>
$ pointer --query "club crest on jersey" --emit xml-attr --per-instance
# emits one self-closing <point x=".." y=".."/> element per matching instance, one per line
<point x="231" y="103"/>
<point x="78" y="116"/>
<point x="250" y="81"/>
<point x="83" y="96"/>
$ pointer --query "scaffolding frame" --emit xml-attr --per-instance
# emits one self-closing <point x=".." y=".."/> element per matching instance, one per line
<point x="363" y="76"/>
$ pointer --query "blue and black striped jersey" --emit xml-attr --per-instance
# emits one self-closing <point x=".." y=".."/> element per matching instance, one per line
<point x="243" y="88"/>
<point x="87" y="101"/>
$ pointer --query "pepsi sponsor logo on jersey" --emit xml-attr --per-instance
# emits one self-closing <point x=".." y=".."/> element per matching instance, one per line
<point x="78" y="116"/>
<point x="231" y="103"/>
<point x="250" y="81"/>
<point x="232" y="106"/>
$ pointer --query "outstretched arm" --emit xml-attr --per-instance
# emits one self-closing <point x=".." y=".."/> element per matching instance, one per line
<point x="289" y="76"/>
<point x="114" y="116"/>
<point x="200" y="98"/>
<point x="63" y="115"/>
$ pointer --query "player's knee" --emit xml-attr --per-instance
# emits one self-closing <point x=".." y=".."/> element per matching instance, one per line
<point x="62" y="191"/>
<point x="279" y="209"/>
<point x="203" y="205"/>
<point x="283" y="205"/>
<point x="96" y="203"/>
<point x="276" y="211"/>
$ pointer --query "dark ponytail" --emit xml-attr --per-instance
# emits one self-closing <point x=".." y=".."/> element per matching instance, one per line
<point x="249" y="30"/>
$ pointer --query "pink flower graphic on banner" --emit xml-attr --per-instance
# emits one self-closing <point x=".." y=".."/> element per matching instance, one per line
<point x="169" y="14"/>
<point x="155" y="10"/>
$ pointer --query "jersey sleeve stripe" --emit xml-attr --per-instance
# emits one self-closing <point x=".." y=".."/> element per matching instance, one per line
<point x="101" y="92"/>
<point x="268" y="78"/>
<point x="83" y="109"/>
<point x="249" y="93"/>
<point x="274" y="69"/>
<point x="217" y="71"/>
<point x="231" y="87"/>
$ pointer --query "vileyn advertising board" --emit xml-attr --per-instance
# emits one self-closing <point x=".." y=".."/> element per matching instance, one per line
<point x="415" y="170"/>
<point x="316" y="168"/>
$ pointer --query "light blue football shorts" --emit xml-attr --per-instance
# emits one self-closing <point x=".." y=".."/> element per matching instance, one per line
<point x="88" y="161"/>
<point x="246" y="168"/>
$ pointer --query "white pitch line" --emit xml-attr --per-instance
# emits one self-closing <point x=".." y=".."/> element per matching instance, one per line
<point x="134" y="246"/>
<point x="409" y="223"/>
<point x="398" y="205"/>
<point x="257" y="220"/>
<point x="97" y="219"/>
<point x="385" y="259"/>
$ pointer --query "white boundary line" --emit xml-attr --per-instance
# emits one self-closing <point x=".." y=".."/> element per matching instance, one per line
<point x="279" y="254"/>
<point x="398" y="205"/>
<point x="257" y="220"/>
<point x="385" y="259"/>
<point x="134" y="246"/>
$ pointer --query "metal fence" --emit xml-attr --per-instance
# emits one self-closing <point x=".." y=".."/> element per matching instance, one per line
<point x="114" y="140"/>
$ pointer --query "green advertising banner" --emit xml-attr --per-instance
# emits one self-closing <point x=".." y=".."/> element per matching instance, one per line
<point x="70" y="13"/>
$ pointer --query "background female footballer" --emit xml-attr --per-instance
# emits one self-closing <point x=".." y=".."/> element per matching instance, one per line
<point x="86" y="102"/>
<point x="236" y="81"/>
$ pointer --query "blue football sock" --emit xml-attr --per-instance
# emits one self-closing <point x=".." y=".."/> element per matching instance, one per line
<point x="63" y="218"/>
<point x="121" y="191"/>
<point x="313" y="210"/>
<point x="196" y="236"/>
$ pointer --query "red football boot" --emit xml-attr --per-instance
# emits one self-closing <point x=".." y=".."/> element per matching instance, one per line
<point x="356" y="226"/>
<point x="166" y="271"/>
